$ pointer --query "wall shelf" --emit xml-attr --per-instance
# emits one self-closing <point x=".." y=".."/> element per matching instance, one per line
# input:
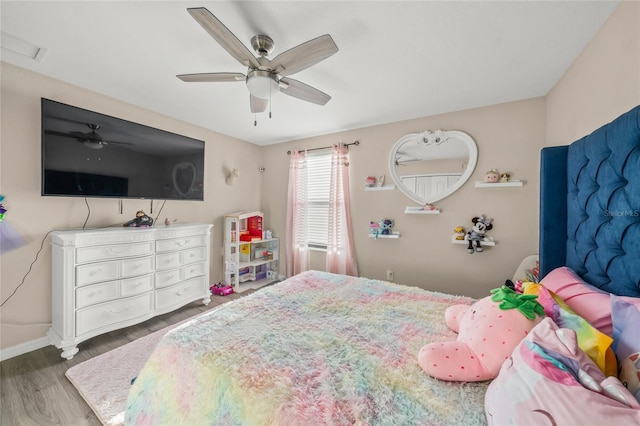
<point x="380" y="188"/>
<point x="410" y="210"/>
<point x="511" y="183"/>
<point x="489" y="243"/>
<point x="392" y="235"/>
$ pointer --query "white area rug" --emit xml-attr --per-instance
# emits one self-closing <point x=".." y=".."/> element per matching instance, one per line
<point x="104" y="381"/>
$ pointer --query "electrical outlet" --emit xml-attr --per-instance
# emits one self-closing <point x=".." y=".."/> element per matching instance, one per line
<point x="389" y="274"/>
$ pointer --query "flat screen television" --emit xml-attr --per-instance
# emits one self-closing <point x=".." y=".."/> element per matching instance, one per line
<point x="88" y="154"/>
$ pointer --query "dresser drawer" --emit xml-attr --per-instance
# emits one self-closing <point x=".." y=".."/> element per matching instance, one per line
<point x="193" y="270"/>
<point x="181" y="243"/>
<point x="91" y="254"/>
<point x="137" y="285"/>
<point x="104" y="314"/>
<point x="167" y="260"/>
<point x="96" y="272"/>
<point x="167" y="278"/>
<point x="96" y="293"/>
<point x="137" y="266"/>
<point x="180" y="294"/>
<point x="198" y="254"/>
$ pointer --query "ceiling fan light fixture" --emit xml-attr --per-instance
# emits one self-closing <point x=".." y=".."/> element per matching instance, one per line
<point x="262" y="84"/>
<point x="93" y="145"/>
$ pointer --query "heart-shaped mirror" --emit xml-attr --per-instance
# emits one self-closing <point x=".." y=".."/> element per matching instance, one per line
<point x="430" y="166"/>
<point x="184" y="176"/>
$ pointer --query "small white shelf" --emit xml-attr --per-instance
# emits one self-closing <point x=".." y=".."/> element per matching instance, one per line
<point x="392" y="235"/>
<point x="380" y="188"/>
<point x="511" y="183"/>
<point x="412" y="211"/>
<point x="488" y="242"/>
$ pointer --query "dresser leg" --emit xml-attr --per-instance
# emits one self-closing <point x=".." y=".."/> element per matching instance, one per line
<point x="69" y="352"/>
<point x="207" y="299"/>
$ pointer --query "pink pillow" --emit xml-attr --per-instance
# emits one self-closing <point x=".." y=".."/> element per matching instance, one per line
<point x="586" y="300"/>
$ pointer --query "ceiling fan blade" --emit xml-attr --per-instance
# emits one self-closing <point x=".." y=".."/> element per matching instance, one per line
<point x="303" y="91"/>
<point x="304" y="55"/>
<point x="223" y="36"/>
<point x="212" y="77"/>
<point x="56" y="133"/>
<point x="258" y="104"/>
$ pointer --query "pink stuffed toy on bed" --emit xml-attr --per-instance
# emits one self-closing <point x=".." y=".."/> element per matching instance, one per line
<point x="488" y="331"/>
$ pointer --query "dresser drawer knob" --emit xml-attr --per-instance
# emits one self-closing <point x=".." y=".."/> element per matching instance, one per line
<point x="95" y="293"/>
<point x="95" y="272"/>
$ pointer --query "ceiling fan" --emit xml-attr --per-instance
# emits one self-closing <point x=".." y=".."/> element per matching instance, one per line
<point x="264" y="76"/>
<point x="90" y="139"/>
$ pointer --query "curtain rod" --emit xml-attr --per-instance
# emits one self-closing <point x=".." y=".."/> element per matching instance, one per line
<point x="356" y="143"/>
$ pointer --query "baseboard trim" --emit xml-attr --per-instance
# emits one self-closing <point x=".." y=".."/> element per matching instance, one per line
<point x="23" y="348"/>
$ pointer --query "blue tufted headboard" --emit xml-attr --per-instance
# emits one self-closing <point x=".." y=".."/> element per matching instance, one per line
<point x="590" y="206"/>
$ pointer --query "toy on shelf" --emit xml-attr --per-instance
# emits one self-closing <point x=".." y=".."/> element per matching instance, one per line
<point x="221" y="289"/>
<point x="370" y="181"/>
<point x="140" y="221"/>
<point x="492" y="176"/>
<point x="459" y="233"/>
<point x="384" y="227"/>
<point x="504" y="177"/>
<point x="481" y="224"/>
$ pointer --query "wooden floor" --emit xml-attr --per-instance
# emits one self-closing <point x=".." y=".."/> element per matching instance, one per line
<point x="35" y="390"/>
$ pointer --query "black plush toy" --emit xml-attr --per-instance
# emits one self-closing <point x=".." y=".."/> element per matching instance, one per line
<point x="481" y="225"/>
<point x="140" y="221"/>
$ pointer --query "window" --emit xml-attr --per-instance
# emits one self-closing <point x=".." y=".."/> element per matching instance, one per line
<point x="318" y="185"/>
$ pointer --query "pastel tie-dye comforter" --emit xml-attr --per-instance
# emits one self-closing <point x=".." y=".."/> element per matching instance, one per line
<point x="316" y="349"/>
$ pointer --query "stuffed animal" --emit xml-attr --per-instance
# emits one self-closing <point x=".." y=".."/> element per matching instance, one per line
<point x="459" y="232"/>
<point x="630" y="374"/>
<point x="385" y="226"/>
<point x="488" y="331"/>
<point x="491" y="176"/>
<point x="481" y="224"/>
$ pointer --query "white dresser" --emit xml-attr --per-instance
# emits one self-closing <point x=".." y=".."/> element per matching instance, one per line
<point x="110" y="278"/>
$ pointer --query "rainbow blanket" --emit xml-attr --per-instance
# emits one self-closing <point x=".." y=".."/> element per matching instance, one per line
<point x="315" y="349"/>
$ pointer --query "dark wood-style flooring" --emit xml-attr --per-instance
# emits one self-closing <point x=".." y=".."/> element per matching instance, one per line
<point x="35" y="390"/>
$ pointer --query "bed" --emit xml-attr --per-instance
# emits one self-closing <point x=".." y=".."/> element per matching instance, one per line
<point x="327" y="349"/>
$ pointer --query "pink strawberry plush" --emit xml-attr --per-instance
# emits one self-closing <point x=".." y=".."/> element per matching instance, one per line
<point x="488" y="331"/>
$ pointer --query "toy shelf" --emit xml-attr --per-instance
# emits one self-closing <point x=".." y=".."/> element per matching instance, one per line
<point x="511" y="183"/>
<point x="380" y="188"/>
<point x="380" y="236"/>
<point x="489" y="242"/>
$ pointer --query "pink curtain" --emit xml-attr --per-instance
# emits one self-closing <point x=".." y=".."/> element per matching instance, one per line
<point x="341" y="257"/>
<point x="297" y="251"/>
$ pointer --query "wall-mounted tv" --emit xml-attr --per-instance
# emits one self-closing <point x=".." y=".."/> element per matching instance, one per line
<point x="88" y="154"/>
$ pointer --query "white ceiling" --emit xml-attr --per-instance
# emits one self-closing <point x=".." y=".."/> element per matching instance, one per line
<point x="397" y="60"/>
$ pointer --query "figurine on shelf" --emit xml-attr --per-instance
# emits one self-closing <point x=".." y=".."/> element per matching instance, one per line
<point x="140" y="221"/>
<point x="459" y="233"/>
<point x="504" y="177"/>
<point x="385" y="226"/>
<point x="374" y="229"/>
<point x="169" y="222"/>
<point x="491" y="176"/>
<point x="481" y="224"/>
<point x="430" y="207"/>
<point x="370" y="181"/>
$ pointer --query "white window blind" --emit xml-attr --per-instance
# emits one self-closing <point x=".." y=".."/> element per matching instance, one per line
<point x="318" y="181"/>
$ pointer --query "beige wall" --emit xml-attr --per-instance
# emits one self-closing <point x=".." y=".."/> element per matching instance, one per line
<point x="509" y="137"/>
<point x="602" y="83"/>
<point x="34" y="216"/>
